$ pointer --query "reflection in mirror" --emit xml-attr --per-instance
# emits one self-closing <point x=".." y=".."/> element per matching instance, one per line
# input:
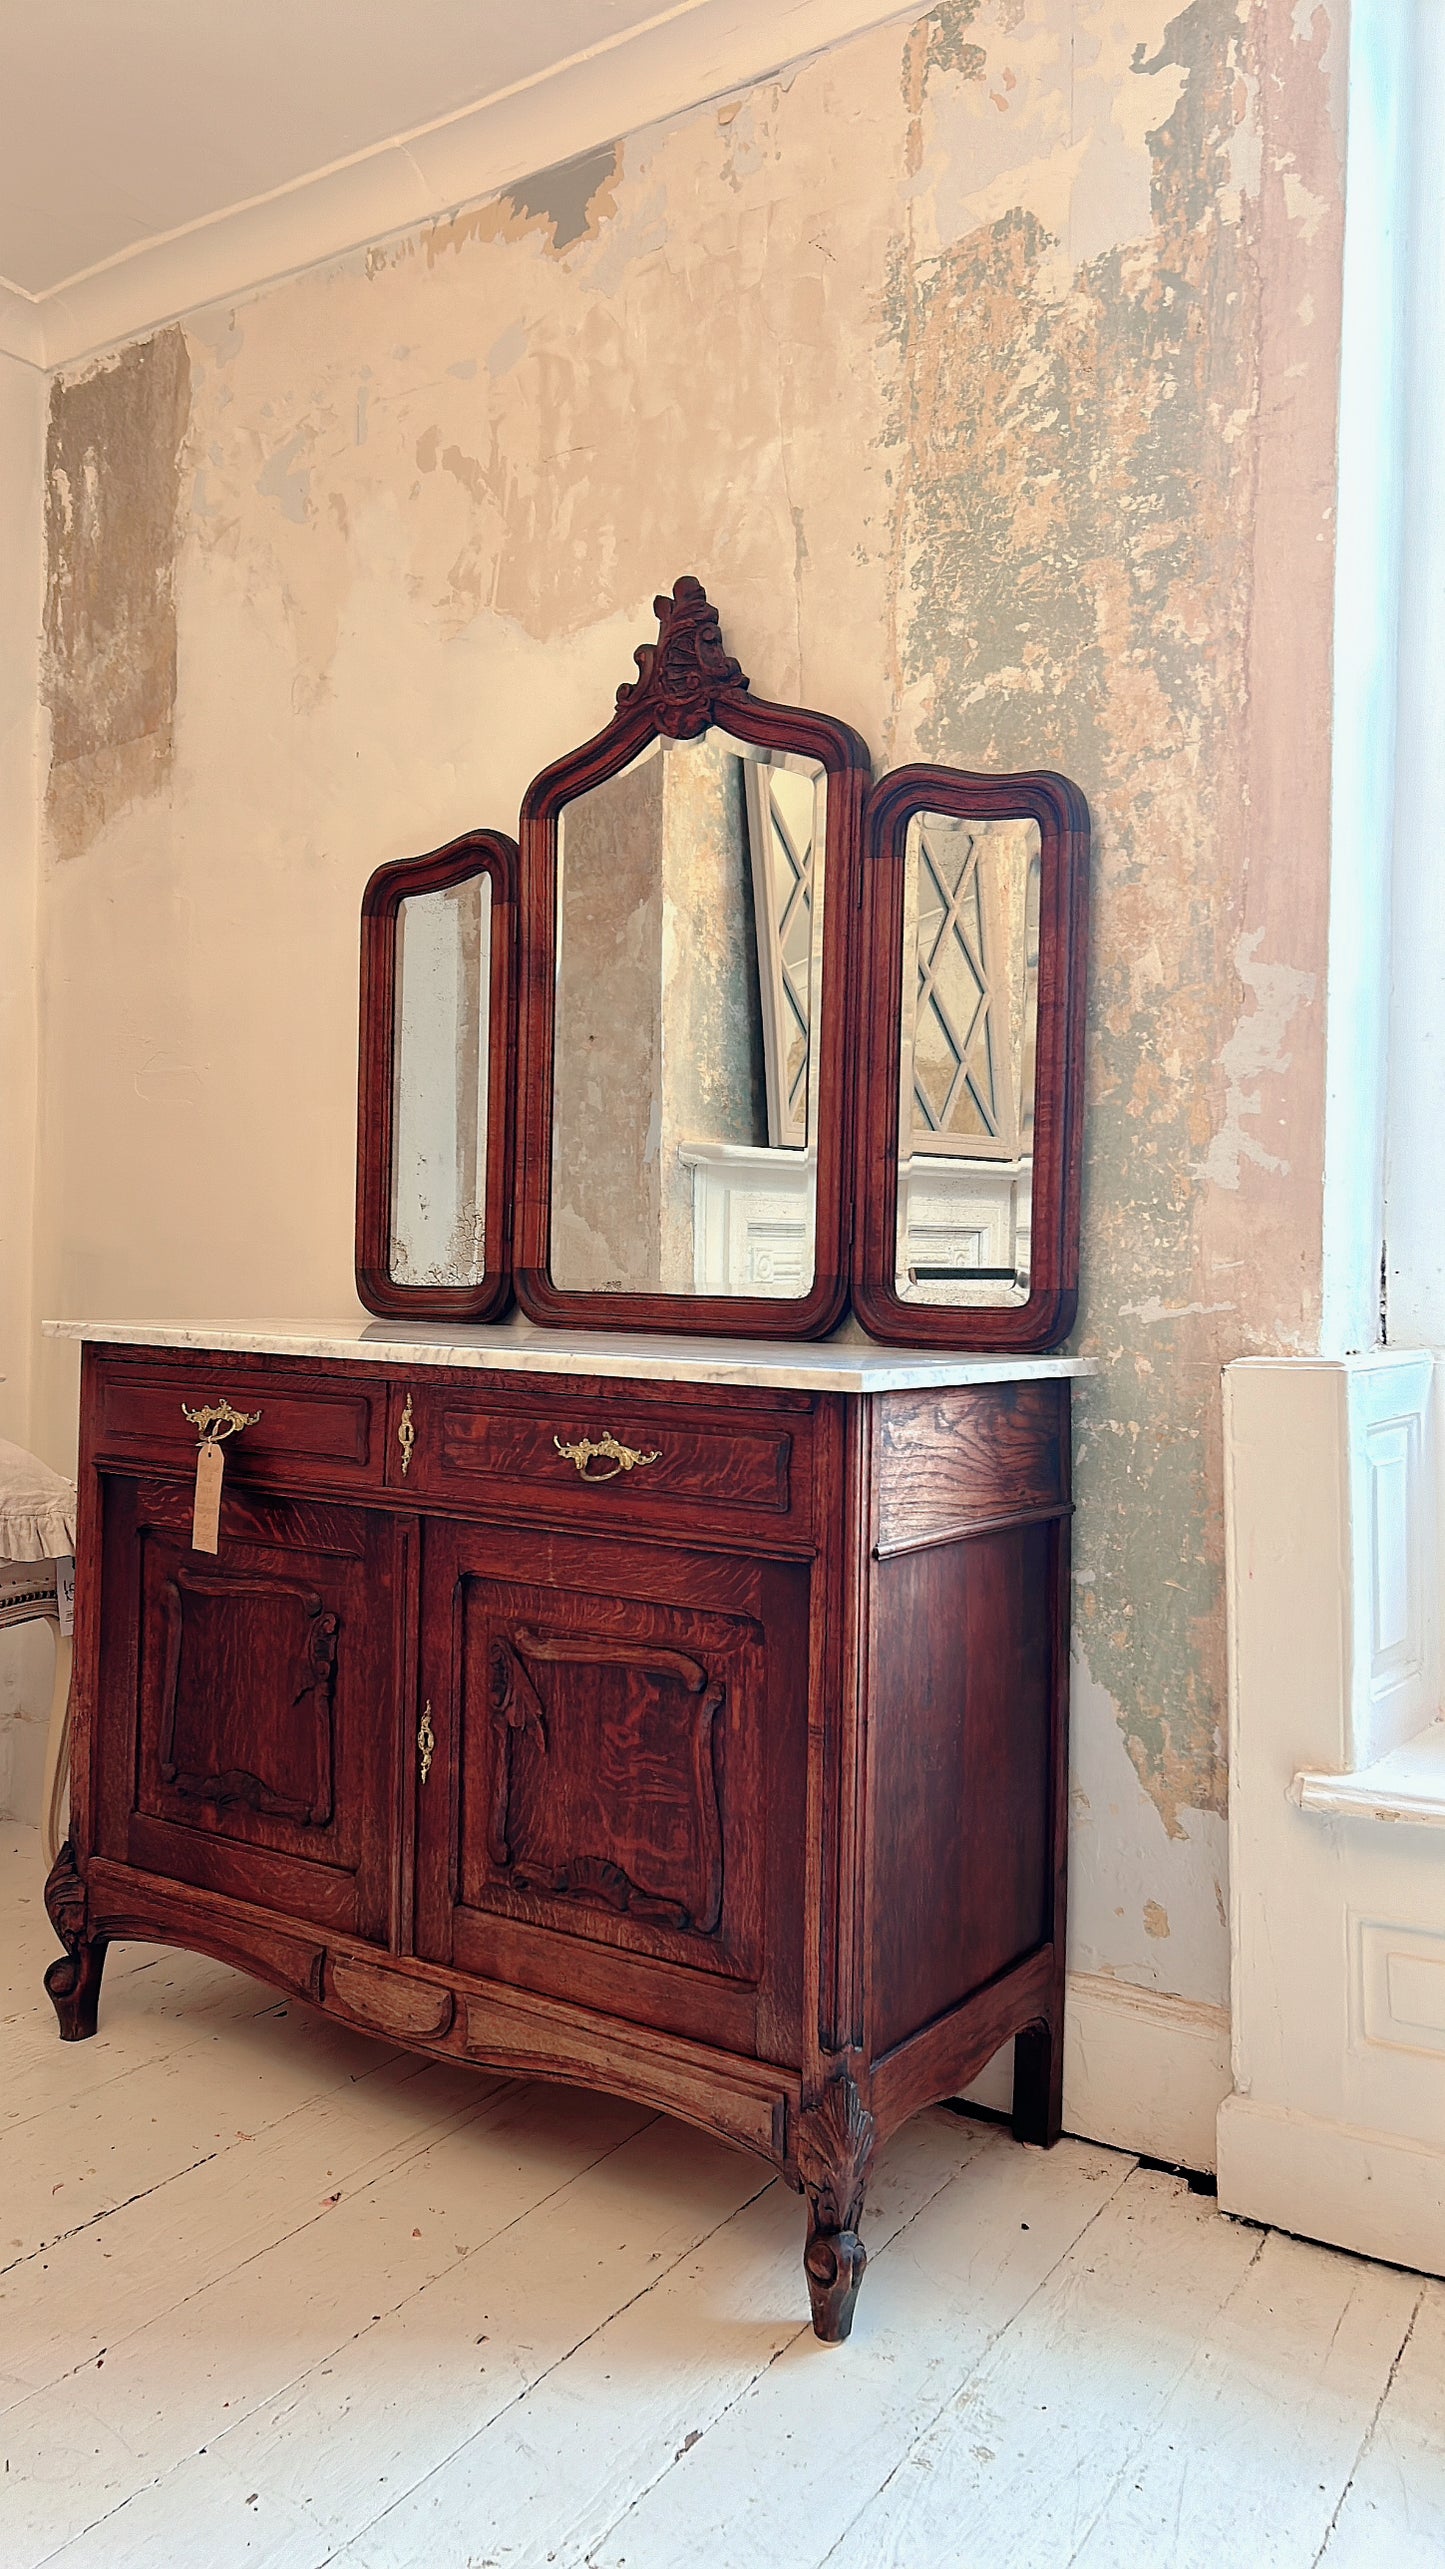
<point x="689" y="956"/>
<point x="969" y="1035"/>
<point x="439" y="1109"/>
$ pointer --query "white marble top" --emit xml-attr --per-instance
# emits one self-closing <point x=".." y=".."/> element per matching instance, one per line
<point x="846" y="1362"/>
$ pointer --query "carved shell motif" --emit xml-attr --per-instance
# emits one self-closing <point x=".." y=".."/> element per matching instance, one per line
<point x="834" y="2149"/>
<point x="686" y="669"/>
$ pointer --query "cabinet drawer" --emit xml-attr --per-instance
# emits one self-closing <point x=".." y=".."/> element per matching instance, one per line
<point x="658" y="1463"/>
<point x="307" y="1431"/>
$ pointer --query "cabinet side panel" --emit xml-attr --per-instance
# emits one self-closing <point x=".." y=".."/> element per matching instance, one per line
<point x="960" y="1782"/>
<point x="950" y="1460"/>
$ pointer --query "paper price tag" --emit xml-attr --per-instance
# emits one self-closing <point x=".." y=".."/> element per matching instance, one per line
<point x="206" y="1514"/>
<point x="65" y="1593"/>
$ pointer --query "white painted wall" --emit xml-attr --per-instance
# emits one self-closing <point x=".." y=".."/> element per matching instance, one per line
<point x="24" y="1655"/>
<point x="1415" y="1130"/>
<point x="1337" y="1803"/>
<point x="1368" y="553"/>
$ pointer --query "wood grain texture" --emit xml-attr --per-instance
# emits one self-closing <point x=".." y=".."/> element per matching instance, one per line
<point x="306" y="1424"/>
<point x="480" y="852"/>
<point x="247" y="1709"/>
<point x="687" y="682"/>
<point x="1058" y="807"/>
<point x="478" y="1446"/>
<point x="960" y="1774"/>
<point x="949" y="1462"/>
<point x="389" y="2002"/>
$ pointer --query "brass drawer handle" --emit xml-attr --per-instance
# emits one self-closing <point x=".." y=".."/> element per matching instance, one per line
<point x="623" y="1458"/>
<point x="218" y="1419"/>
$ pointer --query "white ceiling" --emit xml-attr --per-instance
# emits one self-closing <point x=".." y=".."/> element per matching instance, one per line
<point x="157" y="155"/>
<point x="125" y="120"/>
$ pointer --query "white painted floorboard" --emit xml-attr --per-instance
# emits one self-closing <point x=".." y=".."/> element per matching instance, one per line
<point x="276" y="2297"/>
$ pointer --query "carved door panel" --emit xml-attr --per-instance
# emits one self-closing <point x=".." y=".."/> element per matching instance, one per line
<point x="611" y="1810"/>
<point x="257" y="1692"/>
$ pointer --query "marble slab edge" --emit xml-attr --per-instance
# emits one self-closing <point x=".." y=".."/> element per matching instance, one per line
<point x="743" y="1364"/>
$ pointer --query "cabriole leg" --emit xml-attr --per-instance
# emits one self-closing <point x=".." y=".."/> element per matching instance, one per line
<point x="834" y="2152"/>
<point x="72" y="1982"/>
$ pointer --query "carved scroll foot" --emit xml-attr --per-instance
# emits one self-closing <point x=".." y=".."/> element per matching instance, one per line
<point x="833" y="2262"/>
<point x="834" y="2152"/>
<point x="1038" y="2105"/>
<point x="72" y="1982"/>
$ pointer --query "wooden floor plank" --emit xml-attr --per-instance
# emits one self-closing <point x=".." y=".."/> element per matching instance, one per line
<point x="164" y="2004"/>
<point x="1252" y="2452"/>
<point x="1057" y="2364"/>
<point x="73" y="2453"/>
<point x="401" y="2395"/>
<point x="77" y="2160"/>
<point x="1017" y="2467"/>
<point x="124" y="2270"/>
<point x="782" y="2475"/>
<point x="30" y="1944"/>
<point x="549" y="2476"/>
<point x="1394" y="2509"/>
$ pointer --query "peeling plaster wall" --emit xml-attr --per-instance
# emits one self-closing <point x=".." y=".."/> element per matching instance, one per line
<point x="985" y="370"/>
<point x="25" y="1655"/>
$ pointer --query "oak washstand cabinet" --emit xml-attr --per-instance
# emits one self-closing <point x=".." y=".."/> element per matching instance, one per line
<point x="660" y="1690"/>
<point x="731" y="1780"/>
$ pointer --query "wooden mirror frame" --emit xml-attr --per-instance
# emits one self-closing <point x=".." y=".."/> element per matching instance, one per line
<point x="686" y="682"/>
<point x="479" y="852"/>
<point x="1062" y="816"/>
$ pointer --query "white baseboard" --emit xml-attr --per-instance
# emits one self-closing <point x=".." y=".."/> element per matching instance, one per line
<point x="1142" y="2071"/>
<point x="1369" y="2191"/>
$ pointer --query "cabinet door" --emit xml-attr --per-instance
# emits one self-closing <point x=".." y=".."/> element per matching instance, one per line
<point x="613" y="1809"/>
<point x="248" y="1701"/>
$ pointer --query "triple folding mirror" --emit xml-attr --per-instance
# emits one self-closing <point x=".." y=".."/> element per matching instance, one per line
<point x="734" y="1036"/>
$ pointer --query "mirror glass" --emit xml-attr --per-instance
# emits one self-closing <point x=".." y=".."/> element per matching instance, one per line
<point x="969" y="1035"/>
<point x="685" y="1067"/>
<point x="439" y="1095"/>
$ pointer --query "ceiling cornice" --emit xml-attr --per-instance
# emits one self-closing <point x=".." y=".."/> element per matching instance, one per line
<point x="655" y="71"/>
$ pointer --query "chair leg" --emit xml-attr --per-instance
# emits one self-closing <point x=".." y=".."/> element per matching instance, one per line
<point x="57" y="1749"/>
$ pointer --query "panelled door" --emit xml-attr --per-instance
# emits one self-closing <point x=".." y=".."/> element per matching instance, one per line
<point x="612" y="1809"/>
<point x="249" y="1699"/>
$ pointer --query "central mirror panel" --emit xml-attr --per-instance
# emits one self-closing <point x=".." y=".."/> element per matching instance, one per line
<point x="685" y="1082"/>
<point x="968" y="1044"/>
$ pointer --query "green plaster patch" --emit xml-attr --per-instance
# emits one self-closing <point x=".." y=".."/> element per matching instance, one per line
<point x="1071" y="565"/>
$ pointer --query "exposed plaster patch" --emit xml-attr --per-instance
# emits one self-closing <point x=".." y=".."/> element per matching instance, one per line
<point x="1126" y="1867"/>
<point x="112" y="499"/>
<point x="1074" y="444"/>
<point x="1302" y="207"/>
<point x="289" y="484"/>
<point x="1255" y="1052"/>
<point x="574" y="197"/>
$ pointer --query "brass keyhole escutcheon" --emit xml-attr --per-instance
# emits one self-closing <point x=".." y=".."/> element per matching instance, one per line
<point x="588" y="1450"/>
<point x="426" y="1740"/>
<point x="406" y="1437"/>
